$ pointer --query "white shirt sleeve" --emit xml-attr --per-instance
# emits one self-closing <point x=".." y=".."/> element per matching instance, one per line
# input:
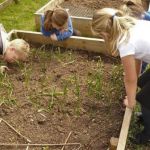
<point x="126" y="49"/>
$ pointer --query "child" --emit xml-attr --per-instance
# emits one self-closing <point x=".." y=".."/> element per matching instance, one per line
<point x="135" y="9"/>
<point x="57" y="25"/>
<point x="129" y="37"/>
<point x="12" y="51"/>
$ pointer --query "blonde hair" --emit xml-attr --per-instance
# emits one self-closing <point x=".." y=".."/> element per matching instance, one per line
<point x="133" y="8"/>
<point x="20" y="46"/>
<point x="58" y="16"/>
<point x="115" y="23"/>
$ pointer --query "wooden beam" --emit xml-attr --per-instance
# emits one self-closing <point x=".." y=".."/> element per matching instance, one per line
<point x="6" y="3"/>
<point x="74" y="42"/>
<point x="37" y="21"/>
<point x="83" y="24"/>
<point x="124" y="129"/>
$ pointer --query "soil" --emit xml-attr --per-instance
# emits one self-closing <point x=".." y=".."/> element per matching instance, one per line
<point x="44" y="118"/>
<point x="96" y="4"/>
<point x="85" y="8"/>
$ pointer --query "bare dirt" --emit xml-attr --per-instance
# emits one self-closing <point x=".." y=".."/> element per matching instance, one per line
<point x="85" y="8"/>
<point x="96" y="4"/>
<point x="43" y="115"/>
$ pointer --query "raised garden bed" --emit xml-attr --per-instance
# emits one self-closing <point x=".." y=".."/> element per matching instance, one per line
<point x="63" y="94"/>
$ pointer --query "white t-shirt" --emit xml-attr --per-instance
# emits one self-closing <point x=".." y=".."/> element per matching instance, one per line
<point x="138" y="43"/>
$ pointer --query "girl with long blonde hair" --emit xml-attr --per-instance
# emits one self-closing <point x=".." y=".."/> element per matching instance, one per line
<point x="128" y="37"/>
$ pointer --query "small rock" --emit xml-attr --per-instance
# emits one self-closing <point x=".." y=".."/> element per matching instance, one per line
<point x="41" y="118"/>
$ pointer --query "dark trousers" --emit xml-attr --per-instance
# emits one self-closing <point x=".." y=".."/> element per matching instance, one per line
<point x="143" y="97"/>
<point x="144" y="65"/>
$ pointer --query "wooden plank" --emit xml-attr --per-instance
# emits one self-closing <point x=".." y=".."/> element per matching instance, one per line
<point x="37" y="21"/>
<point x="6" y="3"/>
<point x="74" y="42"/>
<point x="124" y="129"/>
<point x="83" y="24"/>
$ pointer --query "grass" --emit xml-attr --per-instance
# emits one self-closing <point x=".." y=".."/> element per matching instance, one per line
<point x="1" y="1"/>
<point x="21" y="15"/>
<point x="134" y="129"/>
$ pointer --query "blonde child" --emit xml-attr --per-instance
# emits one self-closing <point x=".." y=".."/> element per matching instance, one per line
<point x="12" y="51"/>
<point x="130" y="38"/>
<point x="57" y="25"/>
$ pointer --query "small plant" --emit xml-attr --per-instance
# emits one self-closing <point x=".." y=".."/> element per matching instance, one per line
<point x="116" y="82"/>
<point x="26" y="73"/>
<point x="95" y="81"/>
<point x="6" y="90"/>
<point x="77" y="92"/>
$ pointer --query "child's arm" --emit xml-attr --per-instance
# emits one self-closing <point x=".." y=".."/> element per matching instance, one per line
<point x="66" y="34"/>
<point x="130" y="79"/>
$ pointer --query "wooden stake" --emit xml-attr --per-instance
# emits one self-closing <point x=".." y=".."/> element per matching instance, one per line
<point x="39" y="145"/>
<point x="66" y="140"/>
<point x="1" y="119"/>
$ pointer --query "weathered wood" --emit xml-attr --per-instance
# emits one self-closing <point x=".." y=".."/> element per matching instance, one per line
<point x="74" y="42"/>
<point x="41" y="145"/>
<point x="124" y="129"/>
<point x="6" y="3"/>
<point x="83" y="24"/>
<point x="37" y="21"/>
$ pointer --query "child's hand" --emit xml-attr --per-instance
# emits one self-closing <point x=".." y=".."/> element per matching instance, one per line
<point x="3" y="69"/>
<point x="53" y="37"/>
<point x="130" y="104"/>
<point x="63" y="30"/>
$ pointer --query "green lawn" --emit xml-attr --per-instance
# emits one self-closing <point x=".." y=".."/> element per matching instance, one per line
<point x="21" y="16"/>
<point x="2" y="1"/>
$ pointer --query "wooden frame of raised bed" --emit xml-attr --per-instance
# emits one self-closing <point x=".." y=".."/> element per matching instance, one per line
<point x="6" y="3"/>
<point x="88" y="44"/>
